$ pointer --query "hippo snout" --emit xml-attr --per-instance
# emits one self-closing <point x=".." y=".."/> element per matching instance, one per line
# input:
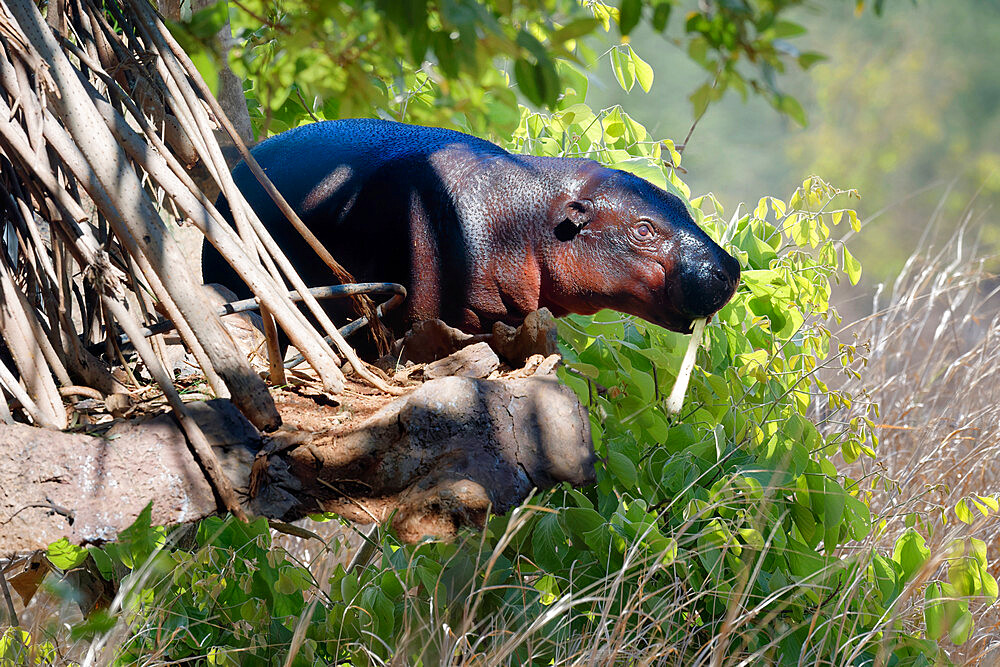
<point x="709" y="282"/>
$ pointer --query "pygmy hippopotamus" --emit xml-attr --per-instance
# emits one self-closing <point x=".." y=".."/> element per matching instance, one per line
<point x="479" y="235"/>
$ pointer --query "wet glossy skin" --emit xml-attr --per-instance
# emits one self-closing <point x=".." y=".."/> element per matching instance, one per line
<point x="477" y="234"/>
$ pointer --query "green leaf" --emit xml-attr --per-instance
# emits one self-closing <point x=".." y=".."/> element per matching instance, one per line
<point x="104" y="563"/>
<point x="991" y="502"/>
<point x="935" y="611"/>
<point x="99" y="622"/>
<point x="580" y="520"/>
<point x="629" y="14"/>
<point x="643" y="72"/>
<point x="962" y="628"/>
<point x="858" y="517"/>
<point x="852" y="267"/>
<point x="524" y="74"/>
<point x="624" y="470"/>
<point x="285" y="585"/>
<point x="549" y="541"/>
<point x="661" y="16"/>
<point x="791" y="106"/>
<point x="911" y="552"/>
<point x="65" y="555"/>
<point x="808" y="59"/>
<point x="700" y="99"/>
<point x="962" y="512"/>
<point x="783" y="29"/>
<point x="208" y="21"/>
<point x="575" y="29"/>
<point x="834" y="502"/>
<point x="623" y="68"/>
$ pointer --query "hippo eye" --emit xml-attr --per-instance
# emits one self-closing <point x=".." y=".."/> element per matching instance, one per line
<point x="642" y="231"/>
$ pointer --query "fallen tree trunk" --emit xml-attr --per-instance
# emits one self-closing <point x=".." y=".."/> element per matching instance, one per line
<point x="434" y="460"/>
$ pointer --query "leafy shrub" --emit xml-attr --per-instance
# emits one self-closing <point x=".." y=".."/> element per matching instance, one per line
<point x="727" y="531"/>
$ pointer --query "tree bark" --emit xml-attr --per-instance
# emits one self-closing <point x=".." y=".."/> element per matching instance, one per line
<point x="435" y="460"/>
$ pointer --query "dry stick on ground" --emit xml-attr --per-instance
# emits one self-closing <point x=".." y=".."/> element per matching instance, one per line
<point x="166" y="42"/>
<point x="137" y="223"/>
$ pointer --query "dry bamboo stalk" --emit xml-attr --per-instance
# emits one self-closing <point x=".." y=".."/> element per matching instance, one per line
<point x="77" y="164"/>
<point x="33" y="252"/>
<point x="345" y="349"/>
<point x="5" y="415"/>
<point x="189" y="111"/>
<point x="146" y="307"/>
<point x="184" y="329"/>
<point x="364" y="304"/>
<point x="204" y="216"/>
<point x="196" y="210"/>
<point x="275" y="364"/>
<point x="84" y="243"/>
<point x="219" y="167"/>
<point x="26" y="352"/>
<point x="239" y="206"/>
<point x="85" y="365"/>
<point x="136" y="212"/>
<point x="15" y="389"/>
<point x="118" y="59"/>
<point x="199" y="443"/>
<point x="41" y="337"/>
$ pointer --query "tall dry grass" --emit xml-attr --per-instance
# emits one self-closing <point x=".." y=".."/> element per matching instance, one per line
<point x="933" y="368"/>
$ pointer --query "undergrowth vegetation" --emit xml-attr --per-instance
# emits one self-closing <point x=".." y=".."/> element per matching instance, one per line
<point x="756" y="527"/>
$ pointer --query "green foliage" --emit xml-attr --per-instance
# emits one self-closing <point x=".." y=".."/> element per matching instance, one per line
<point x="453" y="62"/>
<point x="17" y="649"/>
<point x="731" y="520"/>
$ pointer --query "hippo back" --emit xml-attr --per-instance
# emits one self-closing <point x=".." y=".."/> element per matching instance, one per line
<point x="364" y="187"/>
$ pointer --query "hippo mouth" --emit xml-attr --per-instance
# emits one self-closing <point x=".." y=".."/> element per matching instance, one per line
<point x="678" y="323"/>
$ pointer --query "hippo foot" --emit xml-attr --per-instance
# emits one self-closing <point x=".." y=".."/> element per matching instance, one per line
<point x="432" y="340"/>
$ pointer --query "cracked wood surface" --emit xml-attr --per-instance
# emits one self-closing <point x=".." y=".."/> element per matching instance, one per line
<point x="434" y="460"/>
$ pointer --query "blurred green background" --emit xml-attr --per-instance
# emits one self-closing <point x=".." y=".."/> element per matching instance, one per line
<point x="906" y="109"/>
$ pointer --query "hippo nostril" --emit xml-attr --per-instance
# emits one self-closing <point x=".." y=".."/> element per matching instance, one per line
<point x="720" y="275"/>
<point x="708" y="285"/>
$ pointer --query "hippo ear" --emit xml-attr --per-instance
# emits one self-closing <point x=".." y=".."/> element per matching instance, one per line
<point x="579" y="212"/>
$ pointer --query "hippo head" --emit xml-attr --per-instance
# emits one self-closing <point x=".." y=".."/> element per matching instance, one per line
<point x="625" y="244"/>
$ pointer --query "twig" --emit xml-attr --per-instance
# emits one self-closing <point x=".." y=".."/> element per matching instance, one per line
<point x="8" y="600"/>
<point x="715" y="82"/>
